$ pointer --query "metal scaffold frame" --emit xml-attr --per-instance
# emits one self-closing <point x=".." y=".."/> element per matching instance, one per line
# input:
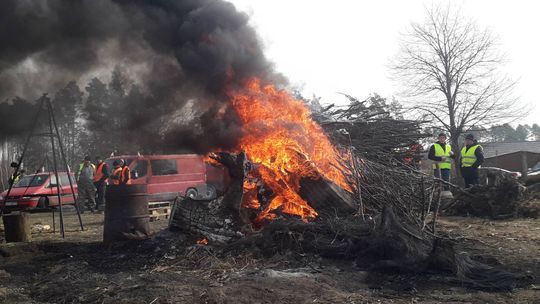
<point x="45" y="103"/>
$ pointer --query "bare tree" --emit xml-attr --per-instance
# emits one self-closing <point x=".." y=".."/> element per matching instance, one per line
<point x="450" y="69"/>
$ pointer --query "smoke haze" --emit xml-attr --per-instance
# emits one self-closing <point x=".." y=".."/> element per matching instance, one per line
<point x="175" y="50"/>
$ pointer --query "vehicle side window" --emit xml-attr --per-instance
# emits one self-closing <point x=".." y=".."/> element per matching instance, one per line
<point x="64" y="181"/>
<point x="163" y="166"/>
<point x="140" y="170"/>
<point x="52" y="180"/>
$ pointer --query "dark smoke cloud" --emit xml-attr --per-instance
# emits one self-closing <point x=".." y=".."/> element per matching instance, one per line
<point x="177" y="50"/>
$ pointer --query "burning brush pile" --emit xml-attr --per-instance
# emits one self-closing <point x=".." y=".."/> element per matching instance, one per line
<point x="292" y="190"/>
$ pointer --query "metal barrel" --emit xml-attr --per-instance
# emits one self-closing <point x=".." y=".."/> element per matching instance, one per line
<point x="17" y="227"/>
<point x="126" y="213"/>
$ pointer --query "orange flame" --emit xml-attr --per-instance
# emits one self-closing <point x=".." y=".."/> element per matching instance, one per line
<point x="209" y="159"/>
<point x="202" y="242"/>
<point x="286" y="145"/>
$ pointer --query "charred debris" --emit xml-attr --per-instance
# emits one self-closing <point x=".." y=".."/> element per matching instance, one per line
<point x="387" y="225"/>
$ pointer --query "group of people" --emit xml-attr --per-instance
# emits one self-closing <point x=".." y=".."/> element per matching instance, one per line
<point x="93" y="178"/>
<point x="471" y="158"/>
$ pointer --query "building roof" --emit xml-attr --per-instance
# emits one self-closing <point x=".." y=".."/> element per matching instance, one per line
<point x="500" y="148"/>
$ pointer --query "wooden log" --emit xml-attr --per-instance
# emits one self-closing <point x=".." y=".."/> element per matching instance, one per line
<point x="17" y="227"/>
<point x="327" y="198"/>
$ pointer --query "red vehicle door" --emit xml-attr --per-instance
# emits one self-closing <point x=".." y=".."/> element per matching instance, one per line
<point x="172" y="176"/>
<point x="65" y="190"/>
<point x="139" y="171"/>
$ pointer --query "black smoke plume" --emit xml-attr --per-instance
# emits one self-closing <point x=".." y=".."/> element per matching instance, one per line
<point x="176" y="50"/>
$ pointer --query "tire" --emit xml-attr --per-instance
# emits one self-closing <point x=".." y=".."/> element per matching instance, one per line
<point x="43" y="203"/>
<point x="192" y="193"/>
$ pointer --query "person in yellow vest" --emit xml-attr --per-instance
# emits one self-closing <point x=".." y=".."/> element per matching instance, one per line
<point x="14" y="178"/>
<point x="441" y="154"/>
<point x="85" y="184"/>
<point x="100" y="182"/>
<point x="472" y="156"/>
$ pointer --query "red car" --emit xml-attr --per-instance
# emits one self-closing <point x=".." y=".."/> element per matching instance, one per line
<point x="38" y="191"/>
<point x="167" y="176"/>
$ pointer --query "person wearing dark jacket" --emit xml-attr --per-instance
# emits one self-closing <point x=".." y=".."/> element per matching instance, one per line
<point x="472" y="157"/>
<point x="100" y="182"/>
<point x="441" y="154"/>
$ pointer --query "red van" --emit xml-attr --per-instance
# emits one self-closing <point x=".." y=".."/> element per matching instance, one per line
<point x="168" y="176"/>
<point x="38" y="191"/>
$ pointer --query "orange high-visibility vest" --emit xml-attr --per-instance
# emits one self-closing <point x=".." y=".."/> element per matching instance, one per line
<point x="116" y="176"/>
<point x="99" y="172"/>
<point x="125" y="176"/>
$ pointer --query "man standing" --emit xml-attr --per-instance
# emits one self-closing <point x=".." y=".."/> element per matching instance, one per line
<point x="100" y="182"/>
<point x="472" y="156"/>
<point x="85" y="183"/>
<point x="441" y="153"/>
<point x="16" y="177"/>
<point x="125" y="178"/>
<point x="116" y="173"/>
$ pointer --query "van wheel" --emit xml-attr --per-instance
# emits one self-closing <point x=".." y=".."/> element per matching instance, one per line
<point x="192" y="193"/>
<point x="43" y="203"/>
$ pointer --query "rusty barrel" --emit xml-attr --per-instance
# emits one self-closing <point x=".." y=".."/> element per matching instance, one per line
<point x="17" y="227"/>
<point x="126" y="213"/>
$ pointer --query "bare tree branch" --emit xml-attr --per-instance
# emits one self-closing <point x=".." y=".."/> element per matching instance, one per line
<point x="450" y="69"/>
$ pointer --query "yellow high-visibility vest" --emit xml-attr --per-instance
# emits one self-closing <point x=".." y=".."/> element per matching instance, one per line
<point x="16" y="178"/>
<point x="439" y="152"/>
<point x="81" y="166"/>
<point x="468" y="158"/>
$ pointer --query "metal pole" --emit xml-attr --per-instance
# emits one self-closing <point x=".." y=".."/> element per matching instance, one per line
<point x="56" y="170"/>
<point x="24" y="151"/>
<point x="65" y="163"/>
<point x="52" y="209"/>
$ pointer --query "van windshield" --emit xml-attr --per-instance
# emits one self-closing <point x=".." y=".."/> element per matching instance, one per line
<point x="31" y="181"/>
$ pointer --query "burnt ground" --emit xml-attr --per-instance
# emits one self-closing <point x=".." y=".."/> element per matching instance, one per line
<point x="172" y="269"/>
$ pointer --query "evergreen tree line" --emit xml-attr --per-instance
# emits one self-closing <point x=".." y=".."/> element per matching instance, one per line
<point x="100" y="119"/>
<point x="507" y="133"/>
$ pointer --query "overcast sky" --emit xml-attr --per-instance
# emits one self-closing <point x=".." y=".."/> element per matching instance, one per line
<point x="345" y="45"/>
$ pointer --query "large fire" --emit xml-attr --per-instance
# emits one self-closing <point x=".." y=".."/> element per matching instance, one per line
<point x="285" y="145"/>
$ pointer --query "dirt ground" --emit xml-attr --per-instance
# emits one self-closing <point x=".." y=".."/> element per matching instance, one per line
<point x="169" y="268"/>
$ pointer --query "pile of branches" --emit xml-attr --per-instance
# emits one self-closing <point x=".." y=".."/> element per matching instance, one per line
<point x="384" y="244"/>
<point x="394" y="230"/>
<point x="387" y="182"/>
<point x="373" y="127"/>
<point x="506" y="198"/>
